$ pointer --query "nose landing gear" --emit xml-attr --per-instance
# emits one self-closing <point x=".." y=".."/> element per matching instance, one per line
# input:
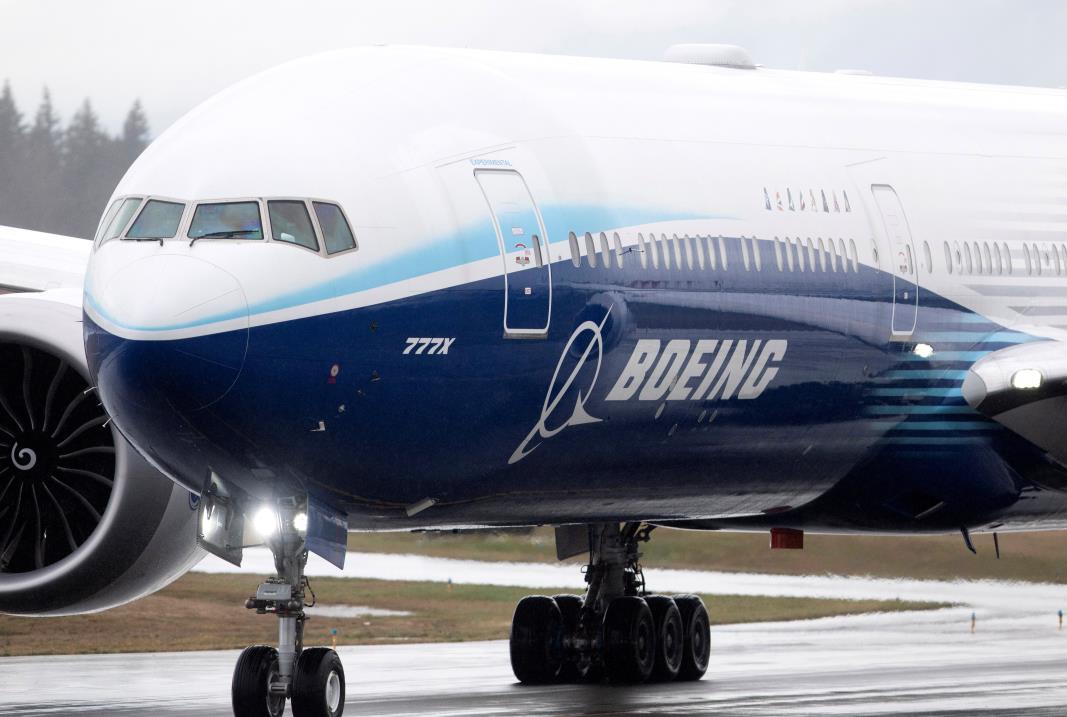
<point x="616" y="631"/>
<point x="312" y="678"/>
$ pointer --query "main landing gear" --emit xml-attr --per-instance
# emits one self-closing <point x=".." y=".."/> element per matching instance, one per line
<point x="311" y="678"/>
<point x="616" y="631"/>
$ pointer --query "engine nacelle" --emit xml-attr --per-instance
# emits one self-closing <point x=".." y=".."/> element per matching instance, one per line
<point x="85" y="523"/>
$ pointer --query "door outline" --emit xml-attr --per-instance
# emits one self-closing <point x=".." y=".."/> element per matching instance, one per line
<point x="911" y="261"/>
<point x="509" y="332"/>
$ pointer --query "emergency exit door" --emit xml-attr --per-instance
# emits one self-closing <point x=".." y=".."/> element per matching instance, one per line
<point x="905" y="273"/>
<point x="524" y="248"/>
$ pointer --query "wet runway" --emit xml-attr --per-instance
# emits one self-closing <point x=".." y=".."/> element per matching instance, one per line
<point x="922" y="663"/>
<point x="873" y="665"/>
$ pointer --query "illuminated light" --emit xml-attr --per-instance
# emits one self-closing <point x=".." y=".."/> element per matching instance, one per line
<point x="300" y="522"/>
<point x="265" y="522"/>
<point x="1026" y="378"/>
<point x="923" y="350"/>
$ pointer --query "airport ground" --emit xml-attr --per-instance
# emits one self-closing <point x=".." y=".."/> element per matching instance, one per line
<point x="437" y="612"/>
<point x="1033" y="557"/>
<point x="205" y="612"/>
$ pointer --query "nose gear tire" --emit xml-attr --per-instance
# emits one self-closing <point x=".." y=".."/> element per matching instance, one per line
<point x="256" y="668"/>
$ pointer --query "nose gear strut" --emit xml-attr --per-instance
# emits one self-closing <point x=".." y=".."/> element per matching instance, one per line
<point x="312" y="678"/>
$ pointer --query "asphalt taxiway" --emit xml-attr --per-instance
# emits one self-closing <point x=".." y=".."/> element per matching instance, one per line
<point x="918" y="663"/>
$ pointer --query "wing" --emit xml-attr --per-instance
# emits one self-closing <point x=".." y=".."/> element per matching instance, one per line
<point x="35" y="261"/>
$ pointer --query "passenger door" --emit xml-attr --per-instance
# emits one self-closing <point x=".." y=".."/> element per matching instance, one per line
<point x="903" y="259"/>
<point x="524" y="247"/>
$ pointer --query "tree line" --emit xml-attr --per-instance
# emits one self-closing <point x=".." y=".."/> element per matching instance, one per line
<point x="57" y="179"/>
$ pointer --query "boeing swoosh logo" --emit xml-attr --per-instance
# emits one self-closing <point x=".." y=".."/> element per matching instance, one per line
<point x="579" y="415"/>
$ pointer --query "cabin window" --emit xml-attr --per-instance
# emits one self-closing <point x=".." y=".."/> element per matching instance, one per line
<point x="665" y="251"/>
<point x="677" y="250"/>
<point x="978" y="265"/>
<point x="928" y="257"/>
<point x="787" y="247"/>
<point x="1037" y="260"/>
<point x="590" y="250"/>
<point x="690" y="253"/>
<point x="336" y="233"/>
<point x="643" y="250"/>
<point x="948" y="258"/>
<point x="822" y="255"/>
<point x="998" y="261"/>
<point x="653" y="250"/>
<point x="158" y="220"/>
<point x="844" y="256"/>
<point x="855" y="256"/>
<point x="1056" y="260"/>
<point x="699" y="247"/>
<point x="710" y="243"/>
<point x="576" y="253"/>
<point x="1026" y="256"/>
<point x="227" y="220"/>
<point x="811" y="255"/>
<point x="722" y="253"/>
<point x="122" y="217"/>
<point x="757" y="259"/>
<point x="967" y="257"/>
<point x="605" y="251"/>
<point x="987" y="258"/>
<point x="291" y="223"/>
<point x="798" y="248"/>
<point x="744" y="255"/>
<point x="618" y="249"/>
<point x="779" y="260"/>
<point x="539" y="258"/>
<point x="833" y="255"/>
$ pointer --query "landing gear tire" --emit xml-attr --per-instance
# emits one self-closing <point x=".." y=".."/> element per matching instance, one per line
<point x="256" y="669"/>
<point x="629" y="640"/>
<point x="537" y="640"/>
<point x="669" y="637"/>
<point x="318" y="684"/>
<point x="696" y="632"/>
<point x="570" y="609"/>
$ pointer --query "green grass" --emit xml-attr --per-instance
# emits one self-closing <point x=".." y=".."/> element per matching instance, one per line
<point x="1035" y="557"/>
<point x="206" y="612"/>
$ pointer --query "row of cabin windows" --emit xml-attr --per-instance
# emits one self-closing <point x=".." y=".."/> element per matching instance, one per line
<point x="710" y="252"/>
<point x="995" y="259"/>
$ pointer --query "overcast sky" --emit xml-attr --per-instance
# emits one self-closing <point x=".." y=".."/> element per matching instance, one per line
<point x="174" y="55"/>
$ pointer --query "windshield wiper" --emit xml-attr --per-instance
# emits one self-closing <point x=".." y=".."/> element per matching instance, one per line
<point x="226" y="234"/>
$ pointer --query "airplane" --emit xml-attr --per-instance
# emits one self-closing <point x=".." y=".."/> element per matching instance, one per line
<point x="404" y="288"/>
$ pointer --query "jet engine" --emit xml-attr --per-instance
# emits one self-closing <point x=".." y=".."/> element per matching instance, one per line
<point x="85" y="523"/>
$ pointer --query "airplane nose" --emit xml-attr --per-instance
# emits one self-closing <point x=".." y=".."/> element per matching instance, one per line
<point x="177" y="337"/>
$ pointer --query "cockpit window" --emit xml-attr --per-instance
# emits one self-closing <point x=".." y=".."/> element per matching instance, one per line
<point x="335" y="230"/>
<point x="158" y="220"/>
<point x="290" y="222"/>
<point x="229" y="220"/>
<point x="122" y="218"/>
<point x="106" y="221"/>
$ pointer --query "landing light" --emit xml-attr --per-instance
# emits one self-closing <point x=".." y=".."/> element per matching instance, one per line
<point x="923" y="350"/>
<point x="265" y="522"/>
<point x="300" y="522"/>
<point x="1026" y="378"/>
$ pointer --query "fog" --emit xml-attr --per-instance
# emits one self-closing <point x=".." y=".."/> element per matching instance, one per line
<point x="174" y="55"/>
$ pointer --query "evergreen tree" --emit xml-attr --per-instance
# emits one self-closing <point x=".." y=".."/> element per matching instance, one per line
<point x="41" y="210"/>
<point x="11" y="156"/>
<point x="58" y="181"/>
<point x="134" y="135"/>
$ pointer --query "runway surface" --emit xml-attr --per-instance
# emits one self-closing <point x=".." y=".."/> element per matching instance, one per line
<point x="925" y="663"/>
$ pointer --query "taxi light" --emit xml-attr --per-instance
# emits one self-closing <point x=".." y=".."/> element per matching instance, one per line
<point x="924" y="350"/>
<point x="1026" y="379"/>
<point x="300" y="522"/>
<point x="265" y="522"/>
